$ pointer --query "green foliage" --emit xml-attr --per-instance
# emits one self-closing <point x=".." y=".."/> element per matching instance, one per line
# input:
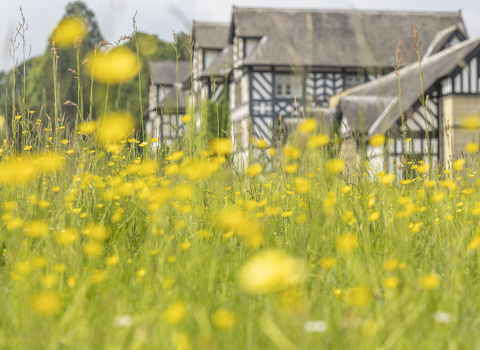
<point x="218" y="117"/>
<point x="39" y="75"/>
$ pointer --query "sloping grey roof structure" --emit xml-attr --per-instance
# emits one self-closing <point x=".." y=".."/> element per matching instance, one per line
<point x="335" y="38"/>
<point x="168" y="102"/>
<point x="221" y="65"/>
<point x="165" y="72"/>
<point x="209" y="35"/>
<point x="440" y="40"/>
<point x="373" y="106"/>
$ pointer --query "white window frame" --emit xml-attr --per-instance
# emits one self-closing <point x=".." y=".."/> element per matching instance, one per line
<point x="288" y="86"/>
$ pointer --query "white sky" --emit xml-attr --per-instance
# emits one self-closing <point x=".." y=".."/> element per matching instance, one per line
<point x="155" y="16"/>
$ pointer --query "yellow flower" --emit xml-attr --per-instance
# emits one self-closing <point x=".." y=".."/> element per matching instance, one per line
<point x="291" y="152"/>
<point x="429" y="183"/>
<point x="345" y="189"/>
<point x="46" y="303"/>
<point x="223" y="319"/>
<point x="377" y="140"/>
<point x="112" y="260"/>
<point x="374" y="216"/>
<point x="66" y="237"/>
<point x="471" y="123"/>
<point x="391" y="282"/>
<point x="68" y="30"/>
<point x="185" y="245"/>
<point x="9" y="205"/>
<point x="270" y="271"/>
<point x="474" y="243"/>
<point x="391" y="265"/>
<point x="387" y="179"/>
<point x="36" y="229"/>
<point x="93" y="249"/>
<point x="471" y="147"/>
<point x="87" y="128"/>
<point x="114" y="128"/>
<point x="327" y="263"/>
<point x="458" y="164"/>
<point x="183" y="192"/>
<point x="186" y="118"/>
<point x="430" y="281"/>
<point x="422" y="169"/>
<point x="349" y="217"/>
<point x="254" y="170"/>
<point x="302" y="185"/>
<point x="114" y="67"/>
<point x="335" y="166"/>
<point x="261" y="143"/>
<point x="437" y="197"/>
<point x="318" y="141"/>
<point x="347" y="242"/>
<point x="98" y="277"/>
<point x="308" y="126"/>
<point x="291" y="168"/>
<point x="175" y="313"/>
<point x="177" y="155"/>
<point x="96" y="232"/>
<point x="221" y="146"/>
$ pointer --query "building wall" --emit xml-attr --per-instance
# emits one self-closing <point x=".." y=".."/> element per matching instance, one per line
<point x="456" y="108"/>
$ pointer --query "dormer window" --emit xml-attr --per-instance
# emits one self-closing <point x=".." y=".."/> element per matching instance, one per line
<point x="209" y="56"/>
<point x="249" y="45"/>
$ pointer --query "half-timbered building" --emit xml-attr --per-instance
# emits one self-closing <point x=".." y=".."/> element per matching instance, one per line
<point x="167" y="100"/>
<point x="432" y="124"/>
<point x="288" y="63"/>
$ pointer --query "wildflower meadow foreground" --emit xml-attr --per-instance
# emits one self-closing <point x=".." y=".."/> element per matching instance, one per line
<point x="111" y="240"/>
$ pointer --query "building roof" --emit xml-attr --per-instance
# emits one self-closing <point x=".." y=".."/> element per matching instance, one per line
<point x="169" y="101"/>
<point x="441" y="38"/>
<point x="340" y="38"/>
<point x="378" y="100"/>
<point x="211" y="35"/>
<point x="220" y="66"/>
<point x="165" y="72"/>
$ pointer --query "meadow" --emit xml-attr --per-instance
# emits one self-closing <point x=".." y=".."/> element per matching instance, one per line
<point x="110" y="240"/>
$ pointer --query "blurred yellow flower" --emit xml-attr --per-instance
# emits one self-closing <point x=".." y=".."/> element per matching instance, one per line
<point x="66" y="237"/>
<point x="114" y="67"/>
<point x="387" y="179"/>
<point x="114" y="128"/>
<point x="391" y="282"/>
<point x="221" y="146"/>
<point x="302" y="185"/>
<point x="254" y="170"/>
<point x="93" y="249"/>
<point x="270" y="271"/>
<point x="175" y="313"/>
<point x="35" y="229"/>
<point x="68" y="30"/>
<point x="186" y="118"/>
<point x="316" y="141"/>
<point x="391" y="265"/>
<point x="430" y="281"/>
<point x="471" y="147"/>
<point x="335" y="166"/>
<point x="377" y="140"/>
<point x="458" y="164"/>
<point x="46" y="302"/>
<point x="291" y="152"/>
<point x="308" y="125"/>
<point x="374" y="216"/>
<point x="291" y="168"/>
<point x="347" y="242"/>
<point x="327" y="263"/>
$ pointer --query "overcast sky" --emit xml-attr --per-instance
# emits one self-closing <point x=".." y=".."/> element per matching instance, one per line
<point x="158" y="16"/>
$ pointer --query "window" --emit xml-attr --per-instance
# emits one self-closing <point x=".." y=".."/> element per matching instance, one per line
<point x="354" y="80"/>
<point x="288" y="86"/>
